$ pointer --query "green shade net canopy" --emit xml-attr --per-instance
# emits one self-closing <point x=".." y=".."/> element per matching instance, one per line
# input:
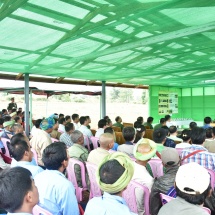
<point x="150" y="42"/>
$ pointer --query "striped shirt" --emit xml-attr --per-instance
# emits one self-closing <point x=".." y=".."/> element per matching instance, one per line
<point x="204" y="158"/>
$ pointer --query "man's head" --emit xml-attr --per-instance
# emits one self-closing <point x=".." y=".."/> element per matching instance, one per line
<point x="144" y="150"/>
<point x="162" y="121"/>
<point x="173" y="130"/>
<point x="106" y="117"/>
<point x="17" y="190"/>
<point x="12" y="99"/>
<point x="106" y="141"/>
<point x="68" y="118"/>
<point x="118" y="119"/>
<point x="8" y="125"/>
<point x="61" y="115"/>
<point x="167" y="118"/>
<point x="159" y="135"/>
<point x="21" y="151"/>
<point x="198" y="136"/>
<point x="88" y="119"/>
<point x="207" y="120"/>
<point x="192" y="125"/>
<point x="18" y="137"/>
<point x="56" y="125"/>
<point x="75" y="118"/>
<point x="77" y="137"/>
<point x="20" y="109"/>
<point x="62" y="121"/>
<point x="83" y="120"/>
<point x="150" y="120"/>
<point x="186" y="135"/>
<point x="37" y="123"/>
<point x="17" y="128"/>
<point x="18" y="120"/>
<point x="109" y="123"/>
<point x="69" y="127"/>
<point x="128" y="133"/>
<point x="170" y="157"/>
<point x="192" y="183"/>
<point x="1" y="122"/>
<point x="102" y="123"/>
<point x="55" y="156"/>
<point x="47" y="125"/>
<point x="4" y="112"/>
<point x="137" y="124"/>
<point x="19" y="113"/>
<point x="140" y="119"/>
<point x="114" y="173"/>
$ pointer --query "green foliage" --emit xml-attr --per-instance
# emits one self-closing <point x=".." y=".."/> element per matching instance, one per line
<point x="121" y="95"/>
<point x="144" y="97"/>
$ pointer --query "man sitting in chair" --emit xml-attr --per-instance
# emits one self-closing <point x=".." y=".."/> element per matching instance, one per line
<point x="118" y="120"/>
<point x="113" y="175"/>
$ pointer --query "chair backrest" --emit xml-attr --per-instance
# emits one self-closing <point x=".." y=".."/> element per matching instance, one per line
<point x="4" y="141"/>
<point x="34" y="154"/>
<point x="72" y="177"/>
<point x="37" y="210"/>
<point x="179" y="150"/>
<point x="177" y="142"/>
<point x="93" y="131"/>
<point x="94" y="141"/>
<point x="119" y="138"/>
<point x="117" y="129"/>
<point x="54" y="140"/>
<point x="212" y="174"/>
<point x="87" y="142"/>
<point x="94" y="187"/>
<point x="156" y="167"/>
<point x="165" y="199"/>
<point x="130" y="197"/>
<point x="127" y="124"/>
<point x="149" y="134"/>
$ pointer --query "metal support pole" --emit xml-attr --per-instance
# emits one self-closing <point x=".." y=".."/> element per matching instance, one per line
<point x="27" y="104"/>
<point x="103" y="99"/>
<point x="31" y="125"/>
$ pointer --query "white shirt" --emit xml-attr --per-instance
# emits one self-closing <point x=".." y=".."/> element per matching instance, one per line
<point x="172" y="137"/>
<point x="34" y="131"/>
<point x="99" y="132"/>
<point x="76" y="125"/>
<point x="61" y="128"/>
<point x="182" y="145"/>
<point x="86" y="131"/>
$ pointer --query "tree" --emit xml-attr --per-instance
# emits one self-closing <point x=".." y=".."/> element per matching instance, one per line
<point x="114" y="94"/>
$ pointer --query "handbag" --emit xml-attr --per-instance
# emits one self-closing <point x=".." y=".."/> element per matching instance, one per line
<point x="6" y="159"/>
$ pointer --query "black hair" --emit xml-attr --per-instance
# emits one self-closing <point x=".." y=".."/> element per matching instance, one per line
<point x="172" y="129"/>
<point x="162" y="120"/>
<point x="150" y="119"/>
<point x="109" y="121"/>
<point x="196" y="199"/>
<point x="213" y="129"/>
<point x="67" y="117"/>
<point x="16" y="138"/>
<point x="159" y="135"/>
<point x="7" y="118"/>
<point x="37" y="123"/>
<point x="106" y="117"/>
<point x="61" y="120"/>
<point x="209" y="133"/>
<point x="55" y="120"/>
<point x="198" y="135"/>
<point x="61" y="115"/>
<point x="54" y="155"/>
<point x="186" y="135"/>
<point x="82" y="120"/>
<point x="117" y="118"/>
<point x="87" y="117"/>
<point x="69" y="126"/>
<point x="110" y="172"/>
<point x="74" y="116"/>
<point x="1" y="121"/>
<point x="18" y="112"/>
<point x="3" y="111"/>
<point x="207" y="120"/>
<point x="102" y="123"/>
<point x="193" y="125"/>
<point x="140" y="119"/>
<point x="139" y="133"/>
<point x="109" y="130"/>
<point x="128" y="133"/>
<point x="167" y="117"/>
<point x="18" y="149"/>
<point x="15" y="183"/>
<point x="17" y="118"/>
<point x="137" y="123"/>
<point x="13" y="110"/>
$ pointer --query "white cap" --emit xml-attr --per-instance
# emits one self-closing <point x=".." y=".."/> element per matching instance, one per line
<point x="194" y="177"/>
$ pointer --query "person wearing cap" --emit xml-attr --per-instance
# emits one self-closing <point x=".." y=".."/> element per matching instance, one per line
<point x="192" y="183"/>
<point x="170" y="160"/>
<point x="12" y="105"/>
<point x="13" y="115"/>
<point x="7" y="132"/>
<point x="159" y="136"/>
<point x="113" y="175"/>
<point x="144" y="150"/>
<point x="42" y="138"/>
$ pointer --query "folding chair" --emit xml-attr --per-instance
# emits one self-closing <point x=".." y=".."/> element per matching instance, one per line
<point x="94" y="141"/>
<point x="34" y="154"/>
<point x="212" y="174"/>
<point x="54" y="140"/>
<point x="87" y="142"/>
<point x="156" y="167"/>
<point x="37" y="210"/>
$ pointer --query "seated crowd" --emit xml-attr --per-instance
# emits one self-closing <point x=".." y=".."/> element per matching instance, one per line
<point x="130" y="175"/>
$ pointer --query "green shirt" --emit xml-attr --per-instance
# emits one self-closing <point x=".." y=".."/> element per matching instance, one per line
<point x="148" y="124"/>
<point x="158" y="126"/>
<point x="117" y="124"/>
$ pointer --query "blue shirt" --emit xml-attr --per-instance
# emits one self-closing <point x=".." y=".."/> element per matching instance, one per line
<point x="18" y="214"/>
<point x="56" y="193"/>
<point x="34" y="169"/>
<point x="115" y="146"/>
<point x="107" y="205"/>
<point x="206" y="126"/>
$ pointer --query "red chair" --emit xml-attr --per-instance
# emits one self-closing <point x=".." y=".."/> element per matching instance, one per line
<point x="94" y="187"/>
<point x="130" y="197"/>
<point x="37" y="210"/>
<point x="4" y="141"/>
<point x="34" y="154"/>
<point x="94" y="140"/>
<point x="72" y="177"/>
<point x="156" y="167"/>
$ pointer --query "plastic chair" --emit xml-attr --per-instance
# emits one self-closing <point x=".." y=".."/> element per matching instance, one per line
<point x="149" y="134"/>
<point x="156" y="167"/>
<point x="179" y="150"/>
<point x="37" y="210"/>
<point x="212" y="174"/>
<point x="54" y="140"/>
<point x="94" y="187"/>
<point x="72" y="177"/>
<point x="130" y="197"/>
<point x="165" y="199"/>
<point x="94" y="141"/>
<point x="4" y="141"/>
<point x="116" y="129"/>
<point x="93" y="131"/>
<point x="87" y="142"/>
<point x="119" y="138"/>
<point x="34" y="154"/>
<point x="127" y="124"/>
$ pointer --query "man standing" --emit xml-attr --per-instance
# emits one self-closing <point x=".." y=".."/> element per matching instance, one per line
<point x="12" y="104"/>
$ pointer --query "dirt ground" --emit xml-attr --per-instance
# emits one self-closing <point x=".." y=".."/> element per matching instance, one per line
<point x="128" y="112"/>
